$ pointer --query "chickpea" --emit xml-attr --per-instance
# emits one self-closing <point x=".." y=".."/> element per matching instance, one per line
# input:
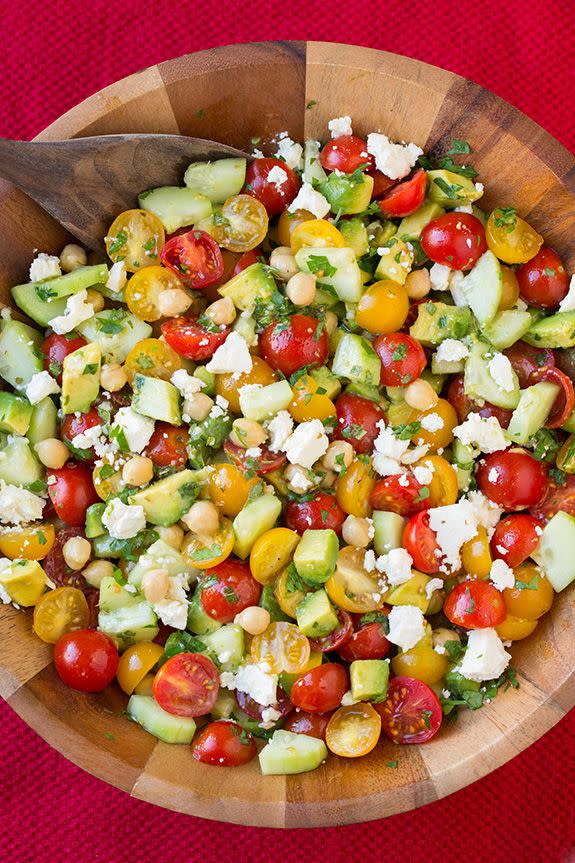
<point x="298" y="478"/>
<point x="420" y="395"/>
<point x="253" y="620"/>
<point x="329" y="479"/>
<point x="76" y="552"/>
<point x="337" y="452"/>
<point x="331" y="323"/>
<point x="95" y="299"/>
<point x="113" y="377"/>
<point x="442" y="634"/>
<point x="96" y="571"/>
<point x="301" y="289"/>
<point x="72" y="256"/>
<point x="52" y="452"/>
<point x="138" y="470"/>
<point x="355" y="531"/>
<point x="222" y="312"/>
<point x="247" y="433"/>
<point x="417" y="284"/>
<point x="198" y="406"/>
<point x="172" y="536"/>
<point x="203" y="518"/>
<point x="174" y="301"/>
<point x="155" y="584"/>
<point x="283" y="262"/>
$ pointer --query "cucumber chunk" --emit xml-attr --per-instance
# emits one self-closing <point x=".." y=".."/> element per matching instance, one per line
<point x="159" y="555"/>
<point x="507" y="327"/>
<point x="531" y="413"/>
<point x="15" y="413"/>
<point x="157" y="399"/>
<point x="356" y="360"/>
<point x="199" y="622"/>
<point x="478" y="383"/>
<point x="315" y="557"/>
<point x="483" y="287"/>
<point x="125" y="616"/>
<point x="18" y="464"/>
<point x="168" y="727"/>
<point x="340" y="269"/>
<point x="312" y="169"/>
<point x="315" y="615"/>
<point x="288" y="753"/>
<point x="555" y="331"/>
<point x="253" y="520"/>
<point x="44" y="421"/>
<point x="388" y="530"/>
<point x="555" y="553"/>
<point x="265" y="402"/>
<point x="116" y="331"/>
<point x="227" y="644"/>
<point x="219" y="180"/>
<point x="20" y="353"/>
<point x="175" y="207"/>
<point x="369" y="679"/>
<point x="43" y="301"/>
<point x="355" y="235"/>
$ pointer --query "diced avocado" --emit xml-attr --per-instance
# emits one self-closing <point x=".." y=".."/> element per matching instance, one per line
<point x="457" y="684"/>
<point x="116" y="331"/>
<point x="369" y="679"/>
<point x="208" y="378"/>
<point x="159" y="555"/>
<point x="20" y="353"/>
<point x="396" y="262"/>
<point x="157" y="399"/>
<point x="255" y="518"/>
<point x="532" y="412"/>
<point x="410" y="227"/>
<point x="356" y="360"/>
<point x="315" y="557"/>
<point x="336" y="270"/>
<point x="355" y="236"/>
<point x="324" y="377"/>
<point x="269" y="602"/>
<point x="81" y="378"/>
<point x="479" y="384"/>
<point x="15" y="413"/>
<point x="18" y="464"/>
<point x="380" y="232"/>
<point x="175" y="207"/>
<point x="168" y="727"/>
<point x="265" y="402"/>
<point x="555" y="331"/>
<point x="366" y="391"/>
<point x="218" y="180"/>
<point x="43" y="301"/>
<point x="435" y="380"/>
<point x="254" y="283"/>
<point x="450" y="190"/>
<point x="483" y="287"/>
<point x="199" y="622"/>
<point x="227" y="644"/>
<point x="23" y="580"/>
<point x="438" y="321"/>
<point x="312" y="169"/>
<point x="555" y="553"/>
<point x="94" y="526"/>
<point x="507" y="327"/>
<point x="288" y="753"/>
<point x="569" y="424"/>
<point x="246" y="328"/>
<point x="315" y="615"/>
<point x="44" y="421"/>
<point x="388" y="530"/>
<point x="411" y="592"/>
<point x="347" y="194"/>
<point x="125" y="616"/>
<point x="400" y="413"/>
<point x="167" y="500"/>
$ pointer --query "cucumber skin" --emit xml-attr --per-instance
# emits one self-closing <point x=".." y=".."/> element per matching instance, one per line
<point x="556" y="550"/>
<point x="144" y="710"/>
<point x="28" y="299"/>
<point x="288" y="753"/>
<point x="19" y="360"/>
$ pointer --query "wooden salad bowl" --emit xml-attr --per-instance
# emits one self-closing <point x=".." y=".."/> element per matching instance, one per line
<point x="231" y="95"/>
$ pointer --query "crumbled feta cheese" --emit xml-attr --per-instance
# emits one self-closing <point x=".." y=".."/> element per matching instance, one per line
<point x="299" y="480"/>
<point x="369" y="560"/>
<point x="457" y="523"/>
<point x="370" y="528"/>
<point x="173" y="609"/>
<point x="253" y="679"/>
<point x="347" y="699"/>
<point x="340" y="126"/>
<point x="309" y="199"/>
<point x="464" y="208"/>
<point x="306" y="444"/>
<point x="440" y="276"/>
<point x="18" y="505"/>
<point x="4" y="595"/>
<point x="567" y="304"/>
<point x="430" y="588"/>
<point x="423" y="474"/>
<point x="394" y="160"/>
<point x="396" y="566"/>
<point x="6" y="314"/>
<point x="269" y="717"/>
<point x="385" y="466"/>
<point x="186" y="384"/>
<point x="77" y="311"/>
<point x="277" y="176"/>
<point x="502" y="372"/>
<point x="123" y="521"/>
<point x="233" y="356"/>
<point x="501" y="575"/>
<point x="484" y="433"/>
<point x="41" y="384"/>
<point x="117" y="277"/>
<point x="388" y="444"/>
<point x="451" y="351"/>
<point x="290" y="152"/>
<point x="486" y="513"/>
<point x="254" y="452"/>
<point x="137" y="429"/>
<point x="479" y="188"/>
<point x="406" y="626"/>
<point x="413" y="455"/>
<point x="94" y="438"/>
<point x="493" y="475"/>
<point x="432" y="422"/>
<point x="44" y="267"/>
<point x="403" y="481"/>
<point x="279" y="429"/>
<point x="485" y="657"/>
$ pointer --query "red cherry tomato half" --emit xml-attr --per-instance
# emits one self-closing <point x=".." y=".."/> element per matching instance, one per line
<point x="543" y="281"/>
<point x="323" y="512"/>
<point x="73" y="425"/>
<point x="251" y="707"/>
<point x="194" y="257"/>
<point x="72" y="491"/>
<point x="515" y="538"/>
<point x="369" y="641"/>
<point x="86" y="660"/>
<point x="246" y="260"/>
<point x="320" y="689"/>
<point x="402" y="359"/>
<point x="275" y="195"/>
<point x="560" y="496"/>
<point x="337" y="637"/>
<point x="456" y="240"/>
<point x="346" y="153"/>
<point x="405" y="497"/>
<point x="293" y="342"/>
<point x="463" y="405"/>
<point x="55" y="349"/>
<point x="224" y="744"/>
<point x="525" y="360"/>
<point x="191" y="340"/>
<point x="420" y="541"/>
<point x="357" y="421"/>
<point x="411" y="713"/>
<point x="512" y="479"/>
<point x="167" y="446"/>
<point x="56" y="568"/>
<point x="229" y="588"/>
<point x="405" y="198"/>
<point x="475" y="605"/>
<point x="565" y="401"/>
<point x="266" y="462"/>
<point x="381" y="184"/>
<point x="312" y="724"/>
<point x="187" y="685"/>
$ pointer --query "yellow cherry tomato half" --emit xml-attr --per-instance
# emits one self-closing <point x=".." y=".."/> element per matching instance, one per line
<point x="287" y="594"/>
<point x="383" y="307"/>
<point x="135" y="237"/>
<point x="283" y="647"/>
<point x="443" y="489"/>
<point x="144" y="288"/>
<point x="204" y="552"/>
<point x="421" y="662"/>
<point x="476" y="554"/>
<point x="288" y="222"/>
<point x="515" y="628"/>
<point x="106" y="483"/>
<point x="60" y="611"/>
<point x="438" y="436"/>
<point x="353" y="731"/>
<point x="229" y="488"/>
<point x="152" y="358"/>
<point x="244" y="223"/>
<point x="354" y="488"/>
<point x="32" y="543"/>
<point x="510" y="238"/>
<point x="510" y="289"/>
<point x="308" y="403"/>
<point x="532" y="595"/>
<point x="136" y="662"/>
<point x="351" y="587"/>
<point x="317" y="233"/>
<point x="229" y="385"/>
<point x="272" y="553"/>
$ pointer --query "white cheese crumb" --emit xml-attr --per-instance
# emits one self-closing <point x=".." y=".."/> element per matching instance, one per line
<point x="423" y="474"/>
<point x="440" y="276"/>
<point x="123" y="521"/>
<point x="290" y="152"/>
<point x="394" y="160"/>
<point x="173" y="608"/>
<point x="309" y="199"/>
<point x="18" y="505"/>
<point x="451" y="351"/>
<point x="484" y="433"/>
<point x="77" y="311"/>
<point x="279" y="429"/>
<point x="255" y="680"/>
<point x="501" y="575"/>
<point x="485" y="657"/>
<point x="306" y="444"/>
<point x="186" y="384"/>
<point x="567" y="304"/>
<point x="406" y="626"/>
<point x="137" y="429"/>
<point x="432" y="422"/>
<point x="396" y="566"/>
<point x="277" y="176"/>
<point x="233" y="356"/>
<point x="41" y="384"/>
<point x="347" y="699"/>
<point x="432" y="586"/>
<point x="117" y="277"/>
<point x="44" y="267"/>
<point x="340" y="126"/>
<point x="502" y="372"/>
<point x="369" y="560"/>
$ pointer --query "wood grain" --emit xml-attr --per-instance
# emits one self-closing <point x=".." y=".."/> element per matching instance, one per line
<point x="248" y="91"/>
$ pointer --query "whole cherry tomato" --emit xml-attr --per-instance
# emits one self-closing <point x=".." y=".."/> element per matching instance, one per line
<point x="357" y="421"/>
<point x="194" y="257"/>
<point x="167" y="446"/>
<point x="86" y="660"/>
<point x="512" y="479"/>
<point x="515" y="538"/>
<point x="276" y="195"/>
<point x="405" y="498"/>
<point x="55" y="349"/>
<point x="338" y="636"/>
<point x="565" y="401"/>
<point x="73" y="425"/>
<point x="456" y="240"/>
<point x="369" y="639"/>
<point x="411" y="713"/>
<point x="463" y="405"/>
<point x="72" y="491"/>
<point x="293" y="342"/>
<point x="246" y="260"/>
<point x="321" y="513"/>
<point x="405" y="198"/>
<point x="420" y="541"/>
<point x="475" y="605"/>
<point x="560" y="496"/>
<point x="543" y="281"/>
<point x="320" y="689"/>
<point x="266" y="462"/>
<point x="187" y="685"/>
<point x="225" y="744"/>
<point x="229" y="588"/>
<point x="312" y="724"/>
<point x="191" y="340"/>
<point x="346" y="153"/>
<point x="56" y="567"/>
<point x="525" y="360"/>
<point x="402" y="359"/>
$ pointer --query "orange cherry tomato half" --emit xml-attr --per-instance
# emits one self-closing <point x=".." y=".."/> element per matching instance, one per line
<point x="353" y="731"/>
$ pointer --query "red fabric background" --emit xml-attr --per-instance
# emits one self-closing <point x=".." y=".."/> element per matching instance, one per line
<point x="54" y="55"/>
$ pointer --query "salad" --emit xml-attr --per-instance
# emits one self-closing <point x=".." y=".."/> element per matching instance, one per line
<point x="294" y="465"/>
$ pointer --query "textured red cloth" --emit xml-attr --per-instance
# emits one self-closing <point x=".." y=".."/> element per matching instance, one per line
<point x="52" y="56"/>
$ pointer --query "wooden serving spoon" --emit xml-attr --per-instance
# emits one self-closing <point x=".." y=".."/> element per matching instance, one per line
<point x="85" y="182"/>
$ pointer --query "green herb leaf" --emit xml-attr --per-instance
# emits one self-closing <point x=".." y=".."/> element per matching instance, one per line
<point x="320" y="264"/>
<point x="505" y="217"/>
<point x="459" y="146"/>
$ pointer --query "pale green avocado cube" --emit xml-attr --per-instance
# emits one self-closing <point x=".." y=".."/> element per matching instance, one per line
<point x="253" y="283"/>
<point x="288" y="753"/>
<point x="315" y="557"/>
<point x="451" y="190"/>
<point x="388" y="530"/>
<point x="324" y="378"/>
<point x="81" y="378"/>
<point x="369" y="678"/>
<point x="253" y="520"/>
<point x="166" y="501"/>
<point x="315" y="615"/>
<point x="227" y="644"/>
<point x="157" y="399"/>
<point x="410" y="227"/>
<point x="437" y="321"/>
<point x="555" y="553"/>
<point x="15" y="413"/>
